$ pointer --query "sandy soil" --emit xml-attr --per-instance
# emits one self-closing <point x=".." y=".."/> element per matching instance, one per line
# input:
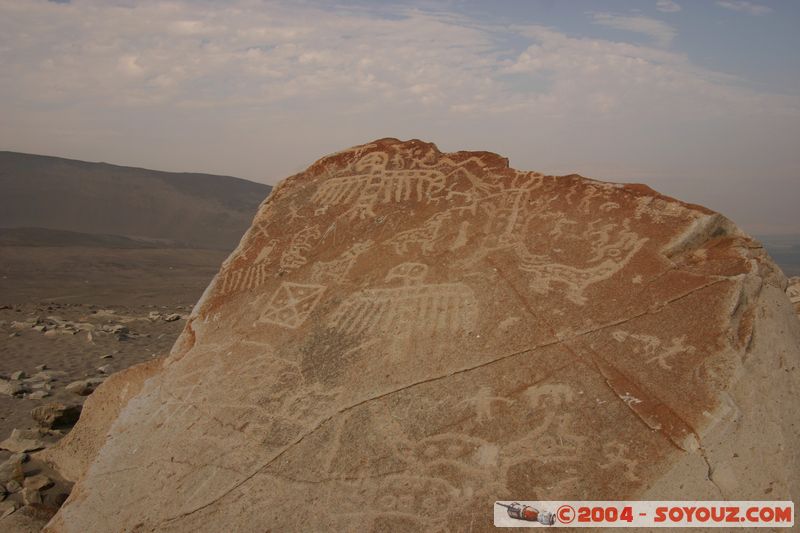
<point x="69" y="314"/>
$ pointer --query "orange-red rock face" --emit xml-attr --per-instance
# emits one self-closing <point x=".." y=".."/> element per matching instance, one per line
<point x="404" y="336"/>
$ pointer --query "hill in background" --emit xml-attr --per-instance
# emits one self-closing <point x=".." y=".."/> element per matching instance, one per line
<point x="175" y="209"/>
<point x="785" y="250"/>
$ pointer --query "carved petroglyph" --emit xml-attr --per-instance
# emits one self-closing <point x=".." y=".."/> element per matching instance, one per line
<point x="520" y="216"/>
<point x="549" y="395"/>
<point x="617" y="457"/>
<point x="375" y="183"/>
<point x="611" y="247"/>
<point x="414" y="308"/>
<point x="423" y="236"/>
<point x="482" y="403"/>
<point x="291" y="304"/>
<point x="250" y="277"/>
<point x="651" y="347"/>
<point x="294" y="256"/>
<point x="657" y="209"/>
<point x="408" y="273"/>
<point x="336" y="271"/>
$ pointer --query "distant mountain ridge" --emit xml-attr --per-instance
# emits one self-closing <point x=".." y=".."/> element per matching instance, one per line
<point x="182" y="209"/>
<point x="58" y="238"/>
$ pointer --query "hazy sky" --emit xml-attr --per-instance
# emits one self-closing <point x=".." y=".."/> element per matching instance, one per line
<point x="699" y="99"/>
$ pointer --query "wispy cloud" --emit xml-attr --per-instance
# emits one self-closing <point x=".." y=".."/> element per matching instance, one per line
<point x="660" y="32"/>
<point x="667" y="6"/>
<point x="259" y="89"/>
<point x="751" y="8"/>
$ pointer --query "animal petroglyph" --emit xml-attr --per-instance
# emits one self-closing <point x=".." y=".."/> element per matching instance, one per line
<point x="608" y="258"/>
<point x="413" y="308"/>
<point x="549" y="395"/>
<point x="425" y="236"/>
<point x="336" y="271"/>
<point x="652" y="347"/>
<point x="294" y="256"/>
<point x="291" y="304"/>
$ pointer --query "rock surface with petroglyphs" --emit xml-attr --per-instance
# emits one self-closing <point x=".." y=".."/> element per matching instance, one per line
<point x="404" y="336"/>
<point x="793" y="292"/>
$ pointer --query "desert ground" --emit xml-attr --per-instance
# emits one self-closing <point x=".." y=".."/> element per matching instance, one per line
<point x="74" y="315"/>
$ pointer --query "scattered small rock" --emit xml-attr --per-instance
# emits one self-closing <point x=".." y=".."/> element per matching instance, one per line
<point x="15" y="334"/>
<point x="11" y="387"/>
<point x="105" y="369"/>
<point x="31" y="496"/>
<point x="84" y="387"/>
<point x="40" y="327"/>
<point x="47" y="375"/>
<point x="20" y="457"/>
<point x="38" y="482"/>
<point x="22" y="440"/>
<point x="172" y="318"/>
<point x="41" y="367"/>
<point x="11" y="470"/>
<point x="38" y="395"/>
<point x="56" y="415"/>
<point x="118" y="330"/>
<point x="7" y="507"/>
<point x="107" y="356"/>
<point x="13" y="486"/>
<point x="19" y="374"/>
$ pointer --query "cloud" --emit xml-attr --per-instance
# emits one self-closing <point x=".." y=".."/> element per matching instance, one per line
<point x="187" y="55"/>
<point x="259" y="89"/>
<point x="743" y="6"/>
<point x="660" y="32"/>
<point x="667" y="6"/>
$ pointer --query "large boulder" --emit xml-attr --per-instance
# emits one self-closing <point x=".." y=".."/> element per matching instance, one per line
<point x="72" y="454"/>
<point x="405" y="336"/>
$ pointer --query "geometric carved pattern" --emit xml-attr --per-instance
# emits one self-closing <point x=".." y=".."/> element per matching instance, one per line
<point x="292" y="303"/>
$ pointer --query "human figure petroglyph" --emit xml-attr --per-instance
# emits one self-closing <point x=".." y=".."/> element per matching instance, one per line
<point x="294" y="256"/>
<point x="424" y="309"/>
<point x="617" y="458"/>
